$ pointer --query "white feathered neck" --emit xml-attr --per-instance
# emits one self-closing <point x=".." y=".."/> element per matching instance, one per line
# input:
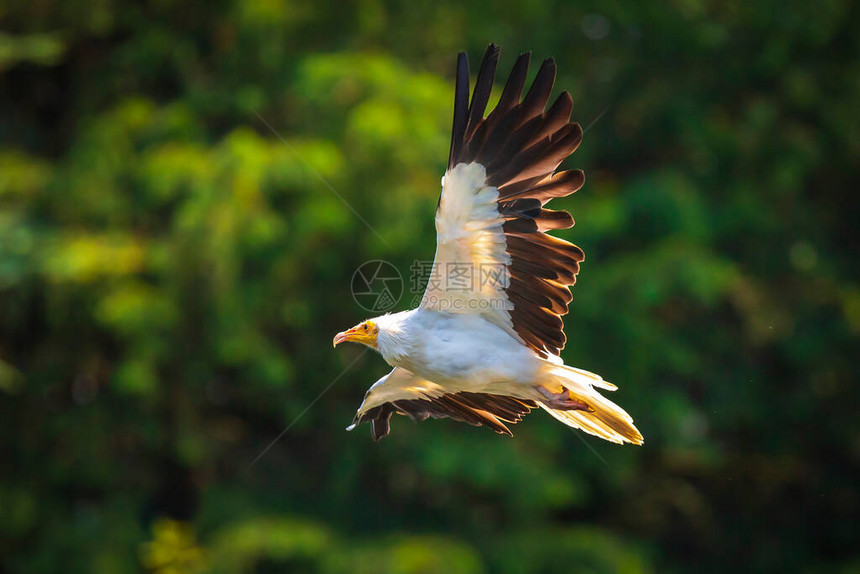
<point x="395" y="338"/>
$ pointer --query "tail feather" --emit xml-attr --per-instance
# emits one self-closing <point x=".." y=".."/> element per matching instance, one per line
<point x="594" y="379"/>
<point x="603" y="418"/>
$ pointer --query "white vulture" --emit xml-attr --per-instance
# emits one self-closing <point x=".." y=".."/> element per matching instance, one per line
<point x="487" y="352"/>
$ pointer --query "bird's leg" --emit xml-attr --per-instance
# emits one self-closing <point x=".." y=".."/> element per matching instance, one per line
<point x="562" y="400"/>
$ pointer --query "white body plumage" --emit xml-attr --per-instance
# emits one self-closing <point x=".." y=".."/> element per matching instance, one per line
<point x="463" y="351"/>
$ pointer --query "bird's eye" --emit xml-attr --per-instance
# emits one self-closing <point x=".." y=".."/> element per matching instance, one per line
<point x="364" y="326"/>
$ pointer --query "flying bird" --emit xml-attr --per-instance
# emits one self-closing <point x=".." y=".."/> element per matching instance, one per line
<point x="483" y="345"/>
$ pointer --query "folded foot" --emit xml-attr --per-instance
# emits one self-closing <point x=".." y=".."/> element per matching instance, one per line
<point x="562" y="400"/>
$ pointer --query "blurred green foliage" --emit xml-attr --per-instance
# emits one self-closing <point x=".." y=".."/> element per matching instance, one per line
<point x="172" y="271"/>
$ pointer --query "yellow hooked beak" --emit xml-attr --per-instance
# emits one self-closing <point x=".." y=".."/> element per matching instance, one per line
<point x="365" y="333"/>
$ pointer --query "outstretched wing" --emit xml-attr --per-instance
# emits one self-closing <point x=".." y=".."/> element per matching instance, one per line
<point x="493" y="255"/>
<point x="403" y="392"/>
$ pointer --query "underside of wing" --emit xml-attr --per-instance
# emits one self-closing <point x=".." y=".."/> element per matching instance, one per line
<point x="491" y="215"/>
<point x="404" y="393"/>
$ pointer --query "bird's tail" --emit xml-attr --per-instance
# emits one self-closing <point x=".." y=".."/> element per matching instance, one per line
<point x="571" y="397"/>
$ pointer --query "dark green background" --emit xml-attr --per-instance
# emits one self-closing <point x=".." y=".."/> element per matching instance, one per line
<point x="172" y="273"/>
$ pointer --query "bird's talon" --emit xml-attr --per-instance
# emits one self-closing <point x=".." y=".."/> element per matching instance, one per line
<point x="563" y="400"/>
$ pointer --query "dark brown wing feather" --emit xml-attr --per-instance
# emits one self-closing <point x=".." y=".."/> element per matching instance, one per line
<point x="477" y="409"/>
<point x="521" y="145"/>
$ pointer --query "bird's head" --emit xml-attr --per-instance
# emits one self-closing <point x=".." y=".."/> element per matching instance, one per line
<point x="364" y="333"/>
